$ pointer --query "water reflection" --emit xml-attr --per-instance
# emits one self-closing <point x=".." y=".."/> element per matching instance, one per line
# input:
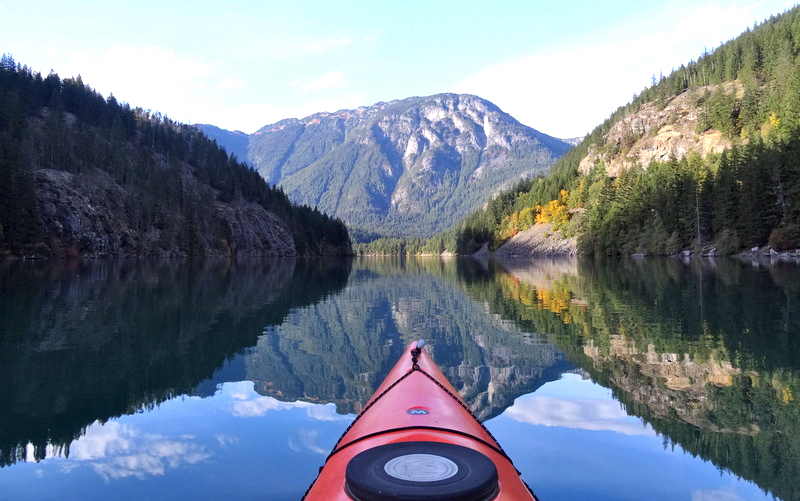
<point x="702" y="353"/>
<point x="235" y="443"/>
<point x="118" y="451"/>
<point x="340" y="350"/>
<point x="82" y="341"/>
<point x="568" y="458"/>
<point x="707" y="352"/>
<point x="580" y="405"/>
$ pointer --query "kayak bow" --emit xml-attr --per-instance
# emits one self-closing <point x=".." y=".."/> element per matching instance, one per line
<point x="417" y="440"/>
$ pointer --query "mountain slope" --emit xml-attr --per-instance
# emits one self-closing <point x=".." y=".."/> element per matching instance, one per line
<point x="410" y="167"/>
<point x="235" y="142"/>
<point x="84" y="175"/>
<point x="706" y="160"/>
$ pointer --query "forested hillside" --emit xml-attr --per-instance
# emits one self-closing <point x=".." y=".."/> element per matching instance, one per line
<point x="85" y="175"/>
<point x="706" y="159"/>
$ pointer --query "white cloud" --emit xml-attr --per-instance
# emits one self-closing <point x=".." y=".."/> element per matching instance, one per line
<point x="151" y="78"/>
<point x="306" y="440"/>
<point x="231" y="83"/>
<point x="245" y="402"/>
<point x="564" y="94"/>
<point x="715" y="496"/>
<point x="239" y="390"/>
<point x="260" y="406"/>
<point x="101" y="441"/>
<point x="154" y="457"/>
<point x="226" y="440"/>
<point x="117" y="451"/>
<point x="566" y="91"/>
<point x="324" y="45"/>
<point x="138" y="71"/>
<point x="327" y="81"/>
<point x="326" y="412"/>
<point x="584" y="414"/>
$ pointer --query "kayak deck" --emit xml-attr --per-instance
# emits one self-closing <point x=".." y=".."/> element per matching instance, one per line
<point x="416" y="439"/>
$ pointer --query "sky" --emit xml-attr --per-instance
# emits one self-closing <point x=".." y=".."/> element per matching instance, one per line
<point x="561" y="67"/>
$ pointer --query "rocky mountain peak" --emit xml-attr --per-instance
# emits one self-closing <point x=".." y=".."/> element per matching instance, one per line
<point x="409" y="167"/>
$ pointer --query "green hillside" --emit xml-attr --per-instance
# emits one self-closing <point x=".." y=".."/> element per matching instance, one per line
<point x="84" y="175"/>
<point x="743" y="191"/>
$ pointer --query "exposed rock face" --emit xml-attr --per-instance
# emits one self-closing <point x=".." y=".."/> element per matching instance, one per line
<point x="655" y="133"/>
<point x="539" y="240"/>
<point x="89" y="215"/>
<point x="416" y="165"/>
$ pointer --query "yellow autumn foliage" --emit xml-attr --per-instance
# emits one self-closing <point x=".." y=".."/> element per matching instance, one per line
<point x="555" y="212"/>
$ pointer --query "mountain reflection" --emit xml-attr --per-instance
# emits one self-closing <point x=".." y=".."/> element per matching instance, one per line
<point x="340" y="350"/>
<point x="86" y="341"/>
<point x="707" y="352"/>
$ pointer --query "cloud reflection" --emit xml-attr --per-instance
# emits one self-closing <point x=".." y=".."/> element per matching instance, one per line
<point x="715" y="496"/>
<point x="306" y="440"/>
<point x="582" y="413"/>
<point x="115" y="451"/>
<point x="245" y="402"/>
<point x="262" y="405"/>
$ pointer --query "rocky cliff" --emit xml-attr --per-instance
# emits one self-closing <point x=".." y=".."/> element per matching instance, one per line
<point x="410" y="167"/>
<point x="88" y="214"/>
<point x="659" y="132"/>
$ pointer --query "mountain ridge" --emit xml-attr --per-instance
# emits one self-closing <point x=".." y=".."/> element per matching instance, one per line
<point x="407" y="167"/>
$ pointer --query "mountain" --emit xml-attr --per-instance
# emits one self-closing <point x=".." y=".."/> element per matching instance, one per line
<point x="409" y="167"/>
<point x="235" y="142"/>
<point x="81" y="175"/>
<point x="706" y="161"/>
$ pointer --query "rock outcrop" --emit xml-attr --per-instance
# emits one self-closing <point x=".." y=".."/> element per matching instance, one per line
<point x="538" y="240"/>
<point x="89" y="214"/>
<point x="676" y="384"/>
<point x="655" y="133"/>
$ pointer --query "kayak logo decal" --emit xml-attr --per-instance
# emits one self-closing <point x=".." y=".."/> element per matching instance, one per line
<point x="418" y="411"/>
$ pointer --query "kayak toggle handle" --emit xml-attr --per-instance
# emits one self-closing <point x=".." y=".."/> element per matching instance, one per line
<point x="416" y="351"/>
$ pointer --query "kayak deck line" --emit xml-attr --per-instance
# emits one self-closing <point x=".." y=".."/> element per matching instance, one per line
<point x="391" y="431"/>
<point x="417" y="442"/>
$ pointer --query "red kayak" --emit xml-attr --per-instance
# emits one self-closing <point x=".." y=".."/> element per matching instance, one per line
<point x="417" y="440"/>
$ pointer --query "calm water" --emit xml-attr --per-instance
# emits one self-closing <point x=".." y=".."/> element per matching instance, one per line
<point x="636" y="379"/>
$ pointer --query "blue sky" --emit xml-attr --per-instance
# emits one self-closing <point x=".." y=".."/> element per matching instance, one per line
<point x="561" y="67"/>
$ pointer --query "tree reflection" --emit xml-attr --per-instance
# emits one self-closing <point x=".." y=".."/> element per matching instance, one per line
<point x="86" y="341"/>
<point x="704" y="351"/>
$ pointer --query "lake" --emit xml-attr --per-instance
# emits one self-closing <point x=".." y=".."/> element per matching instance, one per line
<point x="658" y="379"/>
